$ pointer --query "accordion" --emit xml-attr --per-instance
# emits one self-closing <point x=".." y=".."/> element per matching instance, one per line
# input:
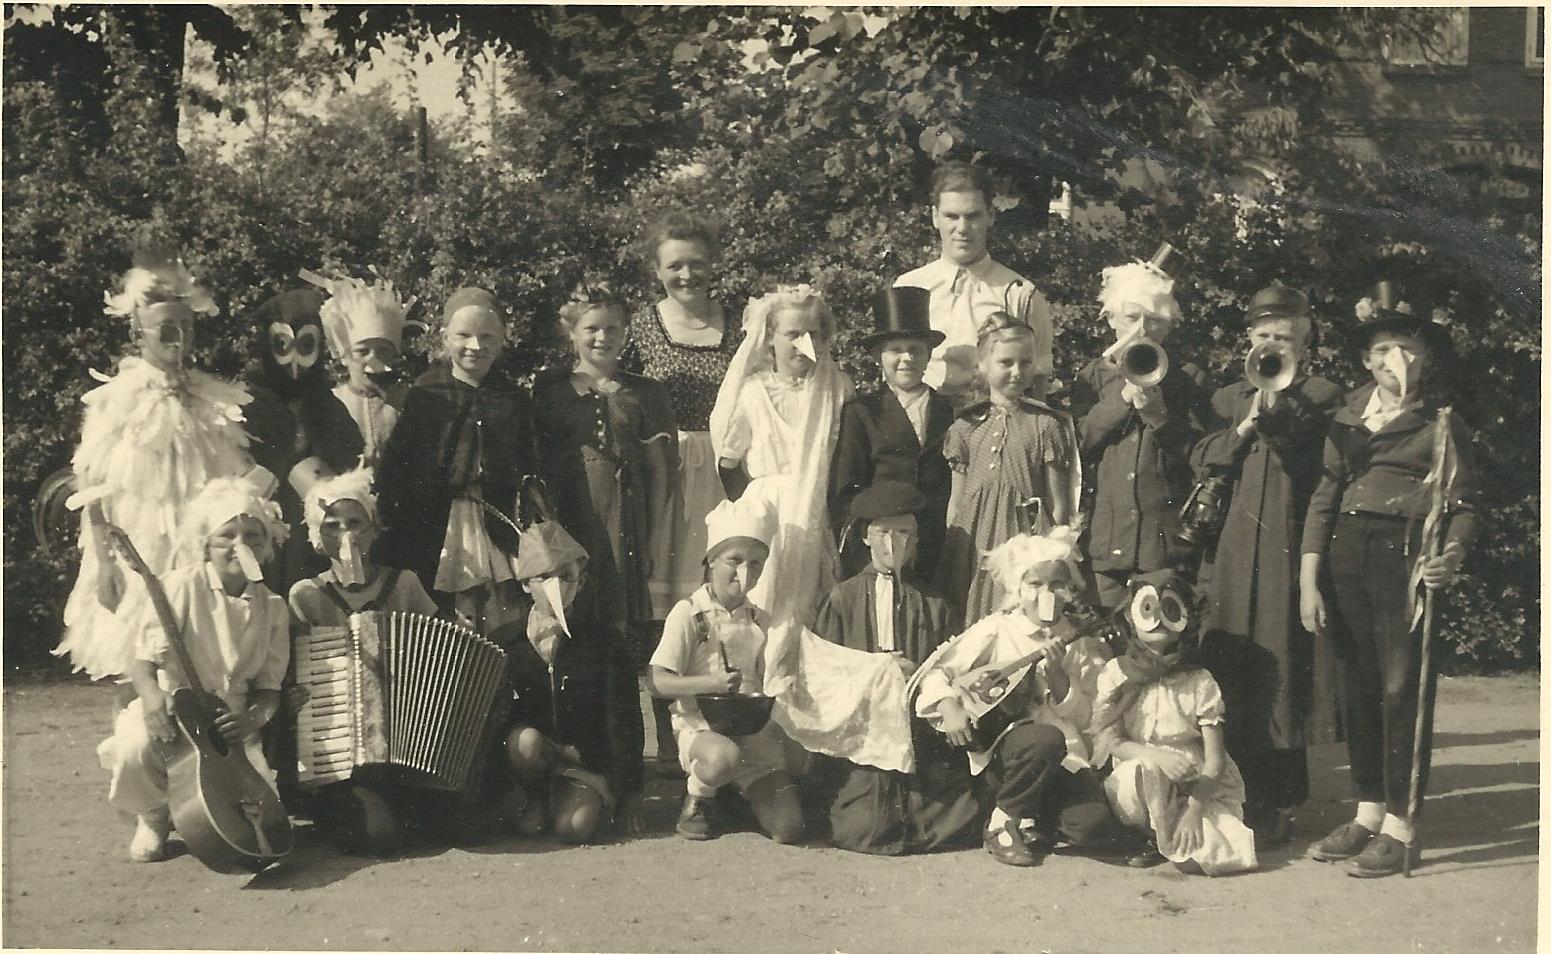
<point x="411" y="692"/>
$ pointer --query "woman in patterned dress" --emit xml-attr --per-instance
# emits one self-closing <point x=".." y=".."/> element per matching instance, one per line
<point x="683" y="342"/>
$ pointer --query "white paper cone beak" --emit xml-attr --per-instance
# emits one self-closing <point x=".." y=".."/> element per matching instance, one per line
<point x="886" y="551"/>
<point x="1047" y="605"/>
<point x="249" y="562"/>
<point x="551" y="587"/>
<point x="742" y="576"/>
<point x="1398" y="363"/>
<point x="352" y="571"/>
<point x="805" y="348"/>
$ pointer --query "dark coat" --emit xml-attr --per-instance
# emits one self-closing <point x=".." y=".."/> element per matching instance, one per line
<point x="286" y="428"/>
<point x="1273" y="677"/>
<point x="590" y="700"/>
<point x="451" y="440"/>
<point x="921" y="621"/>
<point x="1138" y="475"/>
<point x="892" y="813"/>
<point x="876" y="442"/>
<point x="1382" y="473"/>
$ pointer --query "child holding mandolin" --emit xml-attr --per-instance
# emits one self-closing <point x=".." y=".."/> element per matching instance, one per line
<point x="1025" y="727"/>
<point x="235" y="634"/>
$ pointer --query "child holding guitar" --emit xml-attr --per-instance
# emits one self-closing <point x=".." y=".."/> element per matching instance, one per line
<point x="1016" y="691"/>
<point x="222" y="671"/>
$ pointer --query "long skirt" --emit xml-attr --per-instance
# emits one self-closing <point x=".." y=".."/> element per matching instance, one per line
<point x="678" y="551"/>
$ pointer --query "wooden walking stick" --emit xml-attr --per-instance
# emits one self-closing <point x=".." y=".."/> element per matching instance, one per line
<point x="1440" y="479"/>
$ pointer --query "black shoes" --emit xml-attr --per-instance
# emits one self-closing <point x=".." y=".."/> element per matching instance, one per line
<point x="1006" y="844"/>
<point x="1345" y="842"/>
<point x="1384" y="856"/>
<point x="695" y="818"/>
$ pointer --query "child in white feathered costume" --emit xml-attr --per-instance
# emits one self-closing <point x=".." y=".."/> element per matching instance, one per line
<point x="153" y="436"/>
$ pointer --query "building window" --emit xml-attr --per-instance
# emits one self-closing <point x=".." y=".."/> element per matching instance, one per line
<point x="1535" y="37"/>
<point x="1447" y="48"/>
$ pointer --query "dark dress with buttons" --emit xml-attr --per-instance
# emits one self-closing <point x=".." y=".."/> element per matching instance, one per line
<point x="452" y="440"/>
<point x="1277" y="685"/>
<point x="595" y="460"/>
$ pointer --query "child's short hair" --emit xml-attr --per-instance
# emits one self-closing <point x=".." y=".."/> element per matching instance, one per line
<point x="589" y="293"/>
<point x="677" y="225"/>
<point x="998" y="328"/>
<point x="960" y="176"/>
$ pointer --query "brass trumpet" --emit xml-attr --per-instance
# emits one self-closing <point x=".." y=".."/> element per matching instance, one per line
<point x="1142" y="360"/>
<point x="1270" y="366"/>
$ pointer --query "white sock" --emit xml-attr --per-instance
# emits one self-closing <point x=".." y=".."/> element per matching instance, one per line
<point x="998" y="819"/>
<point x="1396" y="828"/>
<point x="1370" y="815"/>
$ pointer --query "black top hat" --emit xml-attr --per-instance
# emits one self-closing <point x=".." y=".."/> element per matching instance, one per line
<point x="1390" y="309"/>
<point x="1168" y="260"/>
<point x="886" y="498"/>
<point x="902" y="312"/>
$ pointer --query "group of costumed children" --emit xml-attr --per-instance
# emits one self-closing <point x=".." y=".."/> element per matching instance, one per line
<point x="955" y="645"/>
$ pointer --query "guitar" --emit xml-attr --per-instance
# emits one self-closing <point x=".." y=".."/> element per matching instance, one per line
<point x="229" y="817"/>
<point x="983" y="691"/>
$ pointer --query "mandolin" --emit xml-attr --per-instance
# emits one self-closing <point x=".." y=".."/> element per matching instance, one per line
<point x="229" y="817"/>
<point x="983" y="691"/>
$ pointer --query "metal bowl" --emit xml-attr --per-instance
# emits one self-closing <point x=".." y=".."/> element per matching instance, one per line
<point x="733" y="714"/>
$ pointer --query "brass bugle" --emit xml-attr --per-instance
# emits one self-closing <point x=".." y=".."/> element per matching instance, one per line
<point x="1270" y="366"/>
<point x="1143" y="362"/>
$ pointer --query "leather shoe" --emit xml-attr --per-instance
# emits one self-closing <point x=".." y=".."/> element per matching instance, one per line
<point x="1345" y="842"/>
<point x="1006" y="845"/>
<point x="1148" y="857"/>
<point x="695" y="818"/>
<point x="1384" y="856"/>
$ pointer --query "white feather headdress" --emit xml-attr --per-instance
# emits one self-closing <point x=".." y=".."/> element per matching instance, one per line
<point x="157" y="274"/>
<point x="357" y="310"/>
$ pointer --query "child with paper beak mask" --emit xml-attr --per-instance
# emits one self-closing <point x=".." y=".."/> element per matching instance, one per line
<point x="237" y="638"/>
<point x="576" y="733"/>
<point x="1032" y="747"/>
<point x="364" y="813"/>
<point x="714" y="642"/>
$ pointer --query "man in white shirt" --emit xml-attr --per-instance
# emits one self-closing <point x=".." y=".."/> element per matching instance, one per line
<point x="967" y="285"/>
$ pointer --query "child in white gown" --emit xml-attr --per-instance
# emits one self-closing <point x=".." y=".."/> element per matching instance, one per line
<point x="153" y="436"/>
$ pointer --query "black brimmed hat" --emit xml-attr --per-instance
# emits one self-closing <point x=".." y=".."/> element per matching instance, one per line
<point x="1391" y="310"/>
<point x="887" y="498"/>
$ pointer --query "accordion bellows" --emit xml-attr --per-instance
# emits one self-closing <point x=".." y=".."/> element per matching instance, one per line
<point x="395" y="689"/>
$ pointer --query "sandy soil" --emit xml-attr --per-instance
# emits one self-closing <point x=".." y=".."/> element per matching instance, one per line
<point x="68" y="883"/>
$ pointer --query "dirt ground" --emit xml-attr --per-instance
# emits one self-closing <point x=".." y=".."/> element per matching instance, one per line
<point x="67" y="881"/>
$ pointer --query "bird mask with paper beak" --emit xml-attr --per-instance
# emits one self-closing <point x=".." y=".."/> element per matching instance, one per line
<point x="549" y="565"/>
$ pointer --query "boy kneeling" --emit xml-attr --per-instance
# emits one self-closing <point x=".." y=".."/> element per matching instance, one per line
<point x="713" y="643"/>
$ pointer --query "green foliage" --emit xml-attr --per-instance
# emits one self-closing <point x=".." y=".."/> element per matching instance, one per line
<point x="810" y="135"/>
